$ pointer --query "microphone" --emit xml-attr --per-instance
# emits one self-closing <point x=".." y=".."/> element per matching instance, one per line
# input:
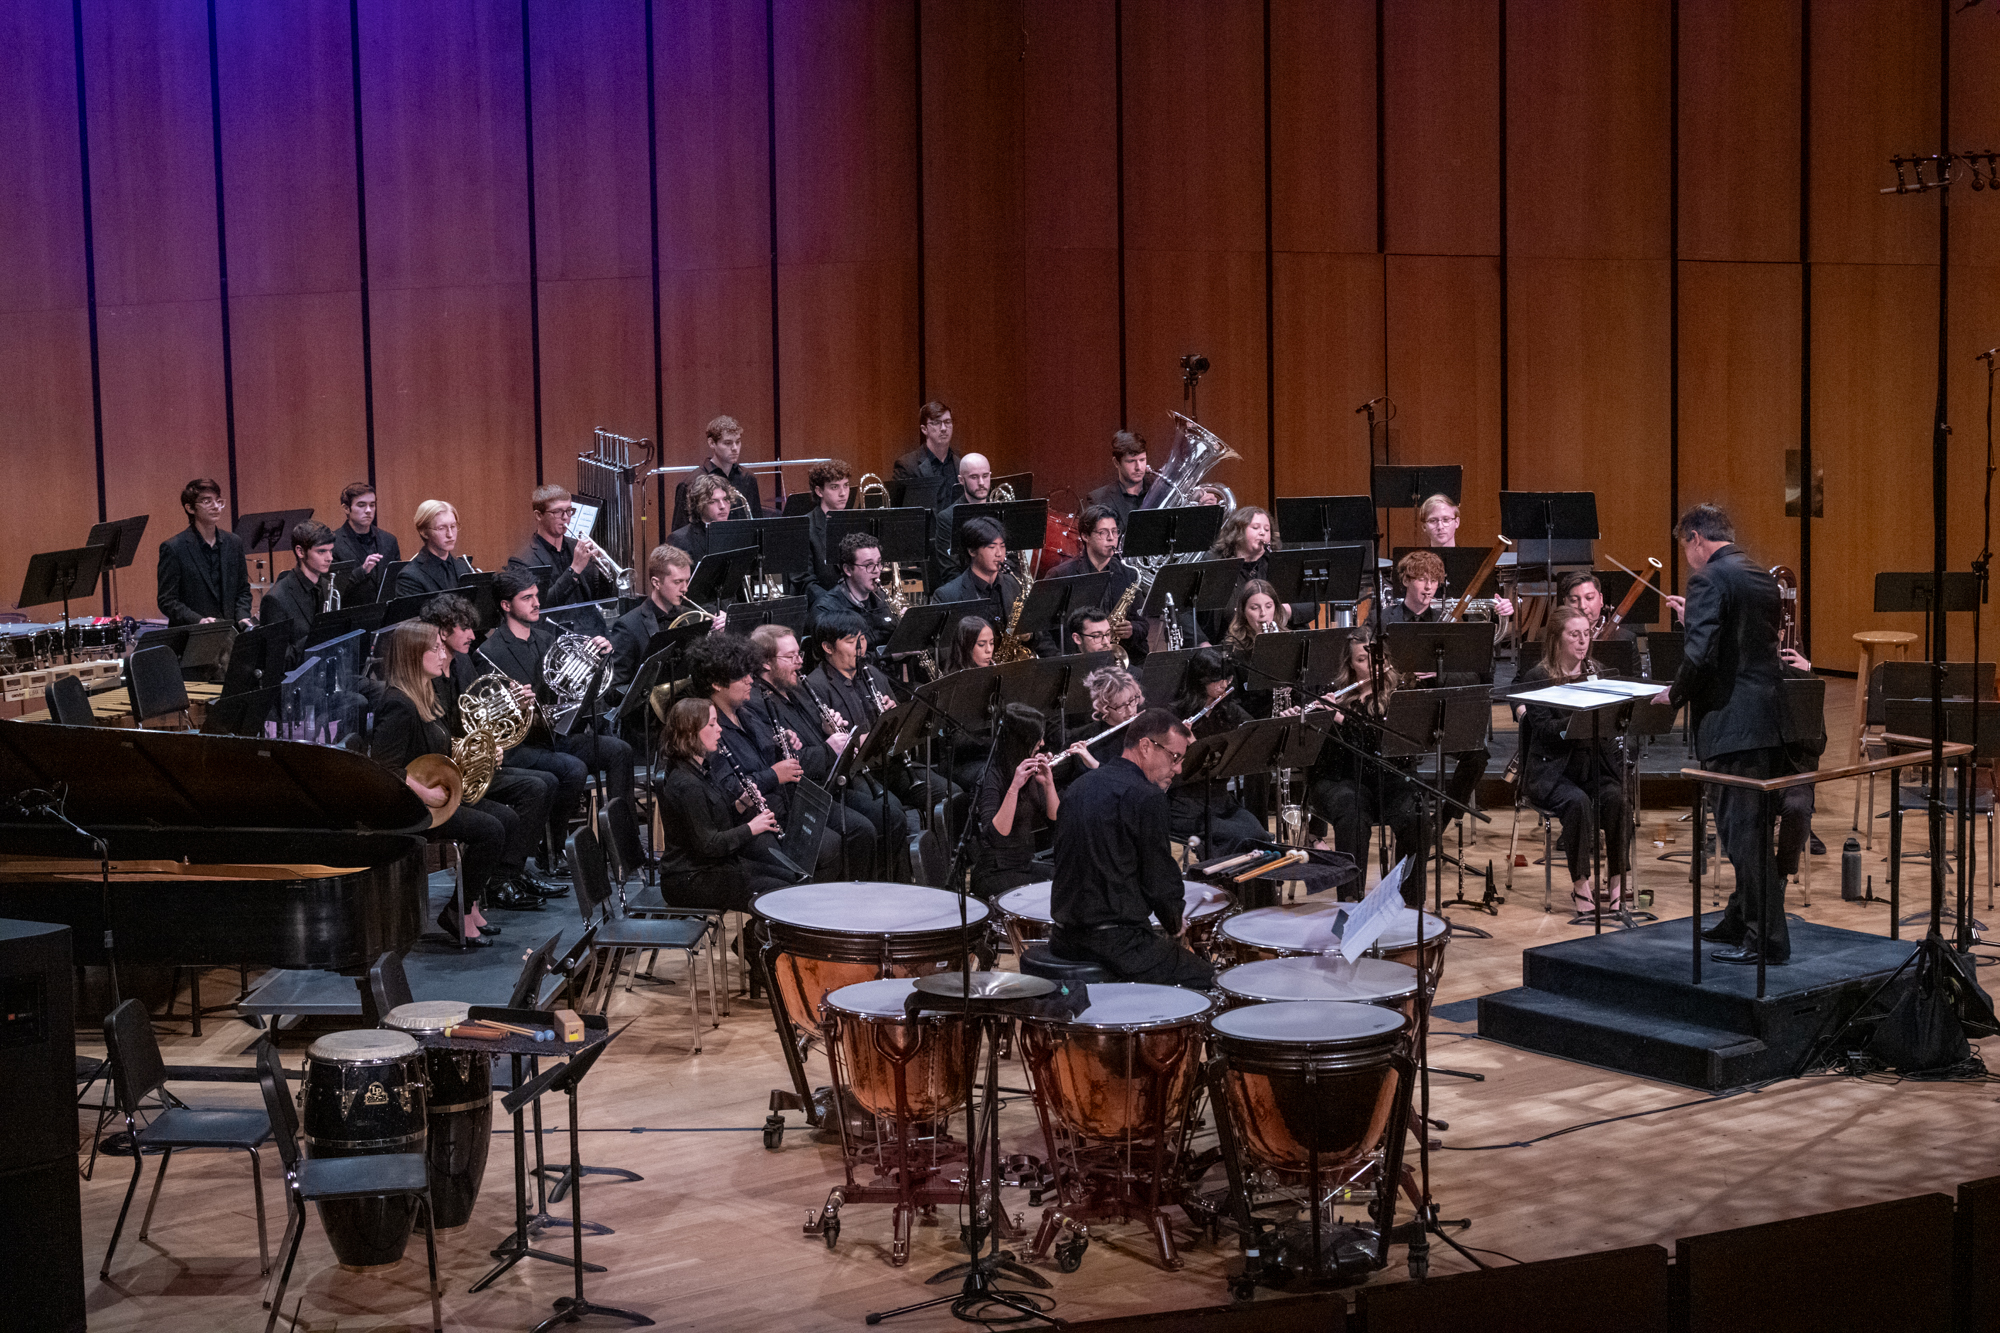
<point x="1370" y="403"/>
<point x="1988" y="355"/>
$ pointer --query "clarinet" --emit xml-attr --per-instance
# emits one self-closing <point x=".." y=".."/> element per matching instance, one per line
<point x="832" y="721"/>
<point x="748" y="787"/>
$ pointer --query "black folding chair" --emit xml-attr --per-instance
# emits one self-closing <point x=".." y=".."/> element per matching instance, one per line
<point x="138" y="1073"/>
<point x="326" y="1179"/>
<point x="69" y="702"/>
<point x="619" y="936"/>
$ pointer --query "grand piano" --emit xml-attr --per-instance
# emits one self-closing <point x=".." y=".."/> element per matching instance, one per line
<point x="223" y="849"/>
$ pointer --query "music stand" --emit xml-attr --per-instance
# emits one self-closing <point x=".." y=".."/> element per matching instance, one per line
<point x="1461" y="563"/>
<point x="392" y="570"/>
<point x="1325" y="520"/>
<point x="1408" y="486"/>
<point x="1021" y="485"/>
<point x="1051" y="600"/>
<point x="800" y="502"/>
<point x="1023" y="523"/>
<point x="1317" y="573"/>
<point x="122" y="536"/>
<point x="639" y="691"/>
<point x="332" y="624"/>
<point x="269" y="532"/>
<point x="1304" y="661"/>
<point x="787" y="611"/>
<point x="244" y="713"/>
<point x="923" y="628"/>
<point x="903" y="534"/>
<point x="1416" y="646"/>
<point x="1171" y="533"/>
<point x="1913" y="592"/>
<point x="1446" y="720"/>
<point x="1200" y="585"/>
<point x="719" y="569"/>
<point x="57" y="576"/>
<point x="1076" y="698"/>
<point x="919" y="492"/>
<point x="1164" y="673"/>
<point x="1549" y="528"/>
<point x="256" y="657"/>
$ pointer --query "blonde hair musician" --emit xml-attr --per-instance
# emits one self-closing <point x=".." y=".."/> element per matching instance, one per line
<point x="438" y="566"/>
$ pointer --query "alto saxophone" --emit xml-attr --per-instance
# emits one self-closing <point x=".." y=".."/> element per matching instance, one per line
<point x="1121" y="622"/>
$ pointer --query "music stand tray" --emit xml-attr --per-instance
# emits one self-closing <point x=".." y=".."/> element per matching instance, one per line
<point x="270" y="531"/>
<point x="1183" y="530"/>
<point x="1025" y="523"/>
<point x="1326" y="520"/>
<point x="1550" y="528"/>
<point x="904" y="533"/>
<point x="332" y="624"/>
<point x="1052" y="600"/>
<point x="784" y="545"/>
<point x="924" y="627"/>
<point x="58" y="576"/>
<point x="1418" y="719"/>
<point x="1163" y="673"/>
<point x="1408" y="486"/>
<point x="1897" y="591"/>
<point x="787" y="611"/>
<point x="1455" y="649"/>
<point x="121" y="536"/>
<point x="1305" y="660"/>
<point x="1318" y="573"/>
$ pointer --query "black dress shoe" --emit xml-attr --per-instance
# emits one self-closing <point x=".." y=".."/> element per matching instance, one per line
<point x="1818" y="847"/>
<point x="508" y="898"/>
<point x="454" y="930"/>
<point x="538" y="886"/>
<point x="489" y="929"/>
<point x="1746" y="956"/>
<point x="1722" y="933"/>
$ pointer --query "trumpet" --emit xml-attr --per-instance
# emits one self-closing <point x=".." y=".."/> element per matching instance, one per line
<point x="621" y="577"/>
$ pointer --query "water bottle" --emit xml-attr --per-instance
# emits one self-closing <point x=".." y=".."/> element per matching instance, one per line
<point x="1850" y="871"/>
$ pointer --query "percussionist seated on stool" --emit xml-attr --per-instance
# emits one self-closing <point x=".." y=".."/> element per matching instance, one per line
<point x="1563" y="778"/>
<point x="714" y="853"/>
<point x="1114" y="867"/>
<point x="1729" y="682"/>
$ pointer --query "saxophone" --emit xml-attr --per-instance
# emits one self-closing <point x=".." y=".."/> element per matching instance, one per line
<point x="1012" y="648"/>
<point x="1121" y="622"/>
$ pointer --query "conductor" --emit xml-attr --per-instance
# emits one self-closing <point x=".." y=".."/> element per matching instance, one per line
<point x="1113" y="867"/>
<point x="1729" y="682"/>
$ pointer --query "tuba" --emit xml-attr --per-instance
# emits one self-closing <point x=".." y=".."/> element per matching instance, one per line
<point x="495" y="721"/>
<point x="1196" y="451"/>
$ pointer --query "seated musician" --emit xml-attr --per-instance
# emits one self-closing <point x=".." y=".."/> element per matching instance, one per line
<point x="975" y="487"/>
<point x="1253" y="610"/>
<point x="1114" y="864"/>
<point x="203" y="574"/>
<point x="1421" y="574"/>
<point x="572" y="572"/>
<point x="1211" y="811"/>
<point x="857" y="594"/>
<point x="933" y="461"/>
<point x="304" y="590"/>
<point x="529" y="793"/>
<point x="723" y="671"/>
<point x="494" y="843"/>
<point x="708" y="502"/>
<point x="817" y="736"/>
<point x="846" y="682"/>
<point x="1246" y="536"/>
<point x="986" y="579"/>
<point x="832" y="485"/>
<point x="1348" y="794"/>
<point x="971" y="645"/>
<point x="1015" y="799"/>
<point x="1582" y="589"/>
<point x="668" y="569"/>
<point x="1101" y="530"/>
<point x="724" y="442"/>
<point x="1577" y="782"/>
<point x="1088" y="631"/>
<point x="1438" y="516"/>
<point x="518" y="648"/>
<point x="1115" y="698"/>
<point x="364" y="542"/>
<point x="716" y="852"/>
<point x="435" y="568"/>
<point x="1129" y="491"/>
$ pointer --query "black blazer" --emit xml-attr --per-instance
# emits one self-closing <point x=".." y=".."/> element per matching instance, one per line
<point x="701" y="826"/>
<point x="630" y="634"/>
<point x="295" y="602"/>
<point x="351" y="545"/>
<point x="427" y="574"/>
<point x="188" y="593"/>
<point x="1547" y="754"/>
<point x="999" y="596"/>
<point x="736" y="476"/>
<point x="1729" y="678"/>
<point x="566" y="586"/>
<point x="401" y="733"/>
<point x="521" y="659"/>
<point x="692" y="538"/>
<point x="920" y="464"/>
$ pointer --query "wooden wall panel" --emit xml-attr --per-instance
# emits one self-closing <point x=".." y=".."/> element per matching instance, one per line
<point x="847" y="219"/>
<point x="1323" y="126"/>
<point x="447" y="243"/>
<point x="1975" y="111"/>
<point x="1874" y="92"/>
<point x="1588" y="115"/>
<point x="1441" y="93"/>
<point x="1739" y="399"/>
<point x="45" y="421"/>
<point x="1194" y="224"/>
<point x="159" y="304"/>
<point x="975" y="199"/>
<point x="286" y="81"/>
<point x="594" y="232"/>
<point x="1070" y="372"/>
<point x="1739" y="121"/>
<point x="1330" y="352"/>
<point x="1588" y="391"/>
<point x="1444" y="354"/>
<point x="715" y="224"/>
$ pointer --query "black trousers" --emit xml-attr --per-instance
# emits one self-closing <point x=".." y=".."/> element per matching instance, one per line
<point x="1353" y="808"/>
<point x="725" y="888"/>
<point x="1576" y="793"/>
<point x="888" y="825"/>
<point x="1225" y="829"/>
<point x="493" y="844"/>
<point x="1135" y="953"/>
<point x="1794" y="827"/>
<point x="1746" y="835"/>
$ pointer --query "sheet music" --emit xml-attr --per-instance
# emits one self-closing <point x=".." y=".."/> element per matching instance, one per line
<point x="1363" y="924"/>
<point x="1590" y="693"/>
<point x="582" y="518"/>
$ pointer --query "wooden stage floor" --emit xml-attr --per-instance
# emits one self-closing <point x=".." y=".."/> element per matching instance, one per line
<point x="711" y="1239"/>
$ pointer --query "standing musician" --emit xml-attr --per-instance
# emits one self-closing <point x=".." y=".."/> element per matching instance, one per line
<point x="832" y="484"/>
<point x="857" y="593"/>
<point x="1101" y="529"/>
<point x="933" y="461"/>
<point x="1129" y="491"/>
<point x="1576" y="781"/>
<point x="1729" y="681"/>
<point x="1438" y="516"/>
<point x="1201" y="808"/>
<point x="362" y="541"/>
<point x="518" y="648"/>
<point x="725" y="447"/>
<point x="723" y="671"/>
<point x="715" y="852"/>
<point x="1582" y="589"/>
<point x="1114" y="867"/>
<point x="986" y="578"/>
<point x="203" y="574"/>
<point x="975" y="486"/>
<point x="864" y="812"/>
<point x="708" y="501"/>
<point x="575" y="576"/>
<point x="1016" y="798"/>
<point x="1351" y="795"/>
<point x="433" y="569"/>
<point x="846" y="682"/>
<point x="668" y="570"/>
<point x="304" y="590"/>
<point x="494" y="842"/>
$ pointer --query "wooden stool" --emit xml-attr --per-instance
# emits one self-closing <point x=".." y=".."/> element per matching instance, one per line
<point x="1876" y="646"/>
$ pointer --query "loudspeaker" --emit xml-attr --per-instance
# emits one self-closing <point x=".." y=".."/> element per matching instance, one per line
<point x="41" y="1228"/>
<point x="37" y="1045"/>
<point x="1978" y="1258"/>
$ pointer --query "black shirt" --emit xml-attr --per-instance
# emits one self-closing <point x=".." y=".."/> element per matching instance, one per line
<point x="1114" y="496"/>
<point x="852" y="698"/>
<point x="357" y="547"/>
<point x="1123" y="576"/>
<point x="565" y="585"/>
<point x="998" y="596"/>
<point x="402" y="733"/>
<point x="198" y="579"/>
<point x="702" y="827"/>
<point x="920" y="464"/>
<point x="875" y="613"/>
<point x="1112" y="862"/>
<point x="521" y="659"/>
<point x="692" y="538"/>
<point x="745" y="484"/>
<point x="1011" y="852"/>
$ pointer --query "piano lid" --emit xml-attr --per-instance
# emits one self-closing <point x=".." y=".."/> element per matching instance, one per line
<point x="121" y="777"/>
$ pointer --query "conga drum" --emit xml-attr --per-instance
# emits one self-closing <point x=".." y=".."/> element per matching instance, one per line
<point x="1326" y="978"/>
<point x="826" y="936"/>
<point x="459" y="1127"/>
<point x="364" y="1096"/>
<point x="1026" y="915"/>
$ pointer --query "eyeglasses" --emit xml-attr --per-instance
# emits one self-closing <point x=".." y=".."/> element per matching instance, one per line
<point x="868" y="564"/>
<point x="1178" y="756"/>
<point x="793" y="656"/>
<point x="1096" y="635"/>
<point x="560" y="511"/>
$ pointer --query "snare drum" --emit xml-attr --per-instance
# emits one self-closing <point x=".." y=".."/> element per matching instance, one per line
<point x="459" y="1126"/>
<point x="1124" y="1068"/>
<point x="1027" y="917"/>
<point x="826" y="936"/>
<point x="364" y="1096"/>
<point x="1307" y="929"/>
<point x="893" y="1067"/>
<point x="1310" y="1086"/>
<point x="1329" y="978"/>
